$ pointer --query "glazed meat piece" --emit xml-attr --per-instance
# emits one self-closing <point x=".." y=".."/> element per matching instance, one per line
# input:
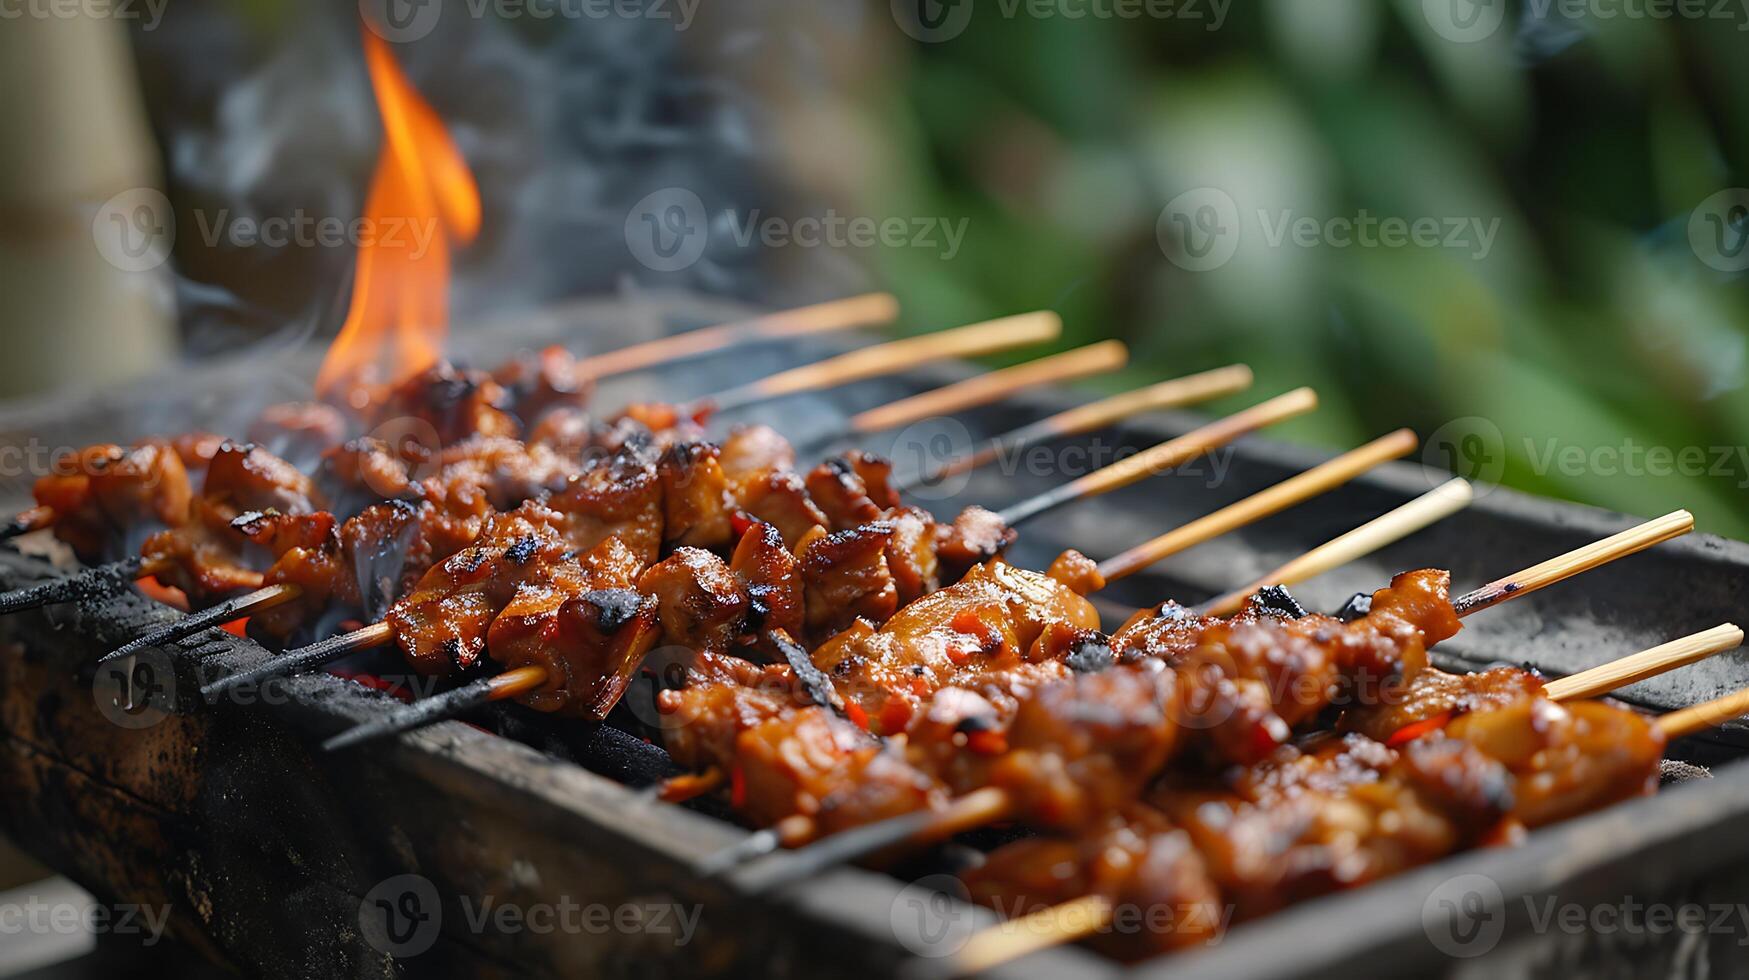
<point x="245" y="477"/>
<point x="358" y="568"/>
<point x="538" y="382"/>
<point x="772" y="577"/>
<point x="362" y="471"/>
<point x="853" y="489"/>
<point x="810" y="762"/>
<point x="1077" y="571"/>
<point x="1316" y="828"/>
<point x="1565" y="759"/>
<point x="780" y="498"/>
<point x="617" y="496"/>
<point x="442" y="624"/>
<point x="506" y="470"/>
<point x="1249" y="680"/>
<point x="695" y="497"/>
<point x="1149" y="871"/>
<point x="299" y="430"/>
<point x="911" y="554"/>
<point x="209" y="555"/>
<point x="1081" y="747"/>
<point x="845" y="577"/>
<point x="754" y="449"/>
<point x="723" y="697"/>
<point x="975" y="537"/>
<point x="702" y="603"/>
<point x="993" y="620"/>
<point x="759" y="465"/>
<point x="456" y="403"/>
<point x="662" y="423"/>
<point x="586" y="624"/>
<point x="196" y="449"/>
<point x="570" y="432"/>
<point x="205" y="557"/>
<point x="104" y="491"/>
<point x="1433" y="697"/>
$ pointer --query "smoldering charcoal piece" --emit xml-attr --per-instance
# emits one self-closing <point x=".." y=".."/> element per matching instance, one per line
<point x="1278" y="601"/>
<point x="1357" y="605"/>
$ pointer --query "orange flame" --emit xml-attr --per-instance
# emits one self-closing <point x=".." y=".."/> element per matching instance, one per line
<point x="422" y="199"/>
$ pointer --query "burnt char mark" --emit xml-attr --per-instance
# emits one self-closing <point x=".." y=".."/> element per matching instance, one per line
<point x="1358" y="605"/>
<point x="758" y="607"/>
<point x="1276" y="600"/>
<point x="523" y="549"/>
<point x="468" y="562"/>
<point x="452" y="649"/>
<point x="618" y="606"/>
<point x="1090" y="653"/>
<point x="972" y="724"/>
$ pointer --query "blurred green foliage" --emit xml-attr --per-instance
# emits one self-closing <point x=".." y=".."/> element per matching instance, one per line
<point x="1589" y="322"/>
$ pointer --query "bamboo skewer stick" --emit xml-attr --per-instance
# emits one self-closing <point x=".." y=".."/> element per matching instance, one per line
<point x="1431" y="507"/>
<point x="1638" y="538"/>
<point x="988" y="337"/>
<point x="33" y="519"/>
<point x="1707" y="714"/>
<point x="1167" y="454"/>
<point x="843" y="314"/>
<point x="260" y="600"/>
<point x="983" y="389"/>
<point x="1090" y="417"/>
<point x="1041" y="929"/>
<point x="1295" y="489"/>
<point x="1637" y="667"/>
<point x="499" y="687"/>
<point x="295" y="661"/>
<point x="83" y="586"/>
